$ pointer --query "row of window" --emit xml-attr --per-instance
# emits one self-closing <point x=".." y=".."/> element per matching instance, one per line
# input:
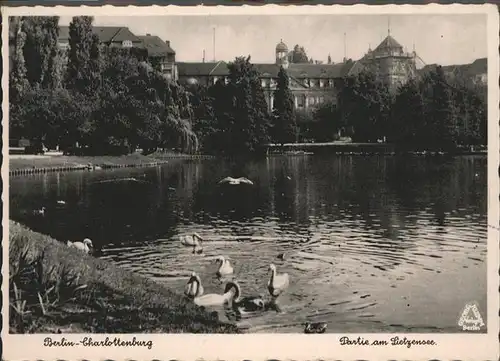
<point x="271" y="82"/>
<point x="300" y="100"/>
<point x="311" y="83"/>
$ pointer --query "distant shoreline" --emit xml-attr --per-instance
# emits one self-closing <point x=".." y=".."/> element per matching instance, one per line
<point x="37" y="164"/>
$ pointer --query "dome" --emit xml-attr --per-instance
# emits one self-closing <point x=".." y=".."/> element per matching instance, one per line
<point x="281" y="47"/>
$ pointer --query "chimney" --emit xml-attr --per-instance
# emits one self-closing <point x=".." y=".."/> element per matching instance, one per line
<point x="203" y="55"/>
<point x="148" y="34"/>
<point x="167" y="42"/>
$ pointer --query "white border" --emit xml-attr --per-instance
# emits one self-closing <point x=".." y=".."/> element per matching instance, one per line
<point x="278" y="346"/>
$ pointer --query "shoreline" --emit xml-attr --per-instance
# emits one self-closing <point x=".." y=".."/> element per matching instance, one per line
<point x="28" y="165"/>
<point x="80" y="294"/>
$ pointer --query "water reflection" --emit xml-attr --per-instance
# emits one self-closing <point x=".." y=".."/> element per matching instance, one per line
<point x="371" y="243"/>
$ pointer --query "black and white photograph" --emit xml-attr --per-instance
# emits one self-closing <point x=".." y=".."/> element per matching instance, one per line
<point x="251" y="173"/>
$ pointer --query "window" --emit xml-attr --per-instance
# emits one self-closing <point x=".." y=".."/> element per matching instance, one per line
<point x="215" y="79"/>
<point x="321" y="83"/>
<point x="312" y="100"/>
<point x="127" y="43"/>
<point x="263" y="83"/>
<point x="301" y="100"/>
<point x="330" y="83"/>
<point x="306" y="82"/>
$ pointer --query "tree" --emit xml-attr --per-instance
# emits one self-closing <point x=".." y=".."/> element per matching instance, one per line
<point x="299" y="55"/>
<point x="441" y="122"/>
<point x="40" y="49"/>
<point x="18" y="83"/>
<point x="364" y="106"/>
<point x="83" y="71"/>
<point x="407" y="117"/>
<point x="284" y="127"/>
<point x="54" y="62"/>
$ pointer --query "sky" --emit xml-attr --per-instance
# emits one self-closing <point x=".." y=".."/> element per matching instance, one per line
<point x="441" y="39"/>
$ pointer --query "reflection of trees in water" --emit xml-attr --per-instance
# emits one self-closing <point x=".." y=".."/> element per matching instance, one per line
<point x="386" y="193"/>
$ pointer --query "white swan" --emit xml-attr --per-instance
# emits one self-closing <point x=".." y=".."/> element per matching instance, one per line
<point x="197" y="248"/>
<point x="236" y="181"/>
<point x="82" y="246"/>
<point x="231" y="292"/>
<point x="277" y="282"/>
<point x="225" y="267"/>
<point x="246" y="304"/>
<point x="61" y="202"/>
<point x="39" y="212"/>
<point x="193" y="288"/>
<point x="190" y="239"/>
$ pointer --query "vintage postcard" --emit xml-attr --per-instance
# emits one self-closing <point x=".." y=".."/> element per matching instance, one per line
<point x="299" y="182"/>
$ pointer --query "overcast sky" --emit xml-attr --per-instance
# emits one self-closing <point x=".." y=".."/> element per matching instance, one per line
<point x="442" y="39"/>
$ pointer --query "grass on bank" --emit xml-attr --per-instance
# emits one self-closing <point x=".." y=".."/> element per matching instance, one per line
<point x="56" y="289"/>
<point x="52" y="161"/>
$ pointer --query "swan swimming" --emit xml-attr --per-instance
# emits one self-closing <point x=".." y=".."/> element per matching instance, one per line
<point x="231" y="292"/>
<point x="193" y="287"/>
<point x="190" y="239"/>
<point x="82" y="246"/>
<point x="225" y="267"/>
<point x="39" y="212"/>
<point x="197" y="248"/>
<point x="247" y="304"/>
<point x="277" y="282"/>
<point x="236" y="181"/>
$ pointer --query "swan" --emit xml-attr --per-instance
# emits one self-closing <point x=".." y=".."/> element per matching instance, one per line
<point x="39" y="212"/>
<point x="231" y="292"/>
<point x="190" y="239"/>
<point x="193" y="287"/>
<point x="247" y="304"/>
<point x="236" y="181"/>
<point x="61" y="202"/>
<point x="281" y="256"/>
<point x="82" y="246"/>
<point x="277" y="282"/>
<point x="197" y="248"/>
<point x="315" y="327"/>
<point x="225" y="267"/>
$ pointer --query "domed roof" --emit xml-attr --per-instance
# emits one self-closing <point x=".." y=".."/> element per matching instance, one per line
<point x="281" y="47"/>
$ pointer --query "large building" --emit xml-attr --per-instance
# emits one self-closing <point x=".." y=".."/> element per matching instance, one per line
<point x="159" y="52"/>
<point x="312" y="84"/>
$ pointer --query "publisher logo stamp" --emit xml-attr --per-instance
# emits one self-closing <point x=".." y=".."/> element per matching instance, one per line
<point x="470" y="318"/>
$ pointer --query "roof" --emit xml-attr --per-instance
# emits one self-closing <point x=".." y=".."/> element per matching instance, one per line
<point x="203" y="69"/>
<point x="318" y="70"/>
<point x="155" y="46"/>
<point x="298" y="71"/>
<point x="477" y="67"/>
<point x="388" y="43"/>
<point x="106" y="34"/>
<point x="267" y="70"/>
<point x="281" y="46"/>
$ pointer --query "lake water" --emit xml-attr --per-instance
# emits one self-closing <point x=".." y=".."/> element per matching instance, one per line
<point x="372" y="244"/>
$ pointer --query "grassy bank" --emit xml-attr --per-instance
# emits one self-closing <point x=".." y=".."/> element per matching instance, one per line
<point x="54" y="288"/>
<point x="20" y="164"/>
